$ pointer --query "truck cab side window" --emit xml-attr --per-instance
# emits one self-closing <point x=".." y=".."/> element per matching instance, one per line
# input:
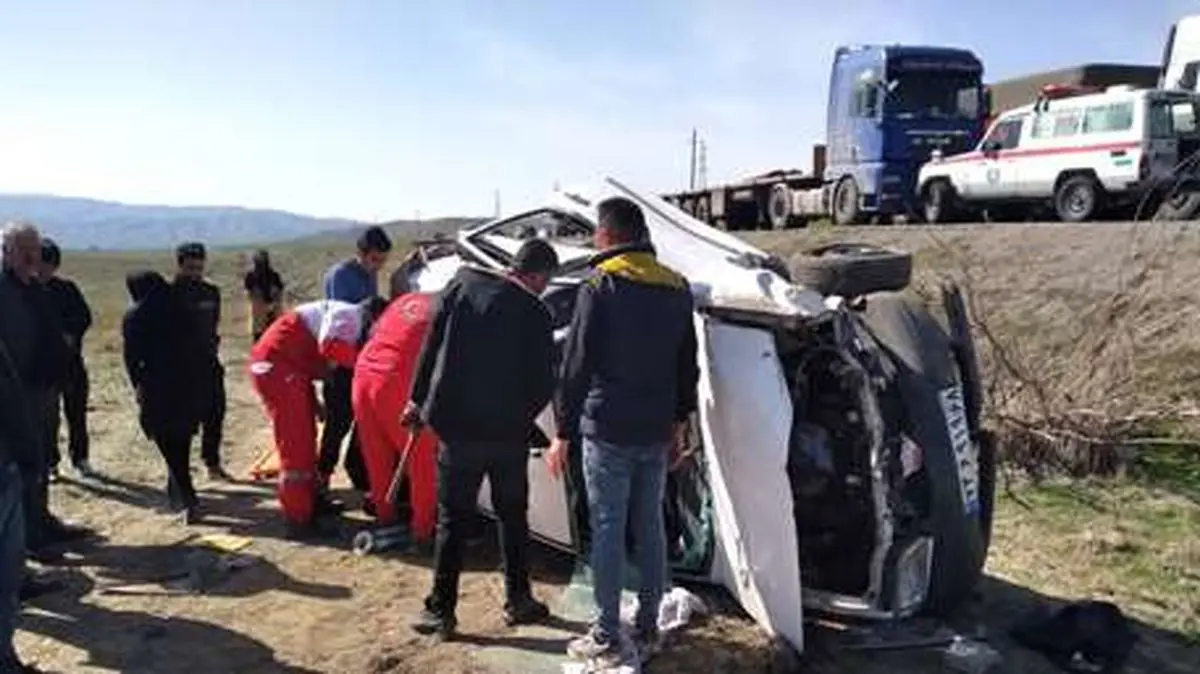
<point x="866" y="101"/>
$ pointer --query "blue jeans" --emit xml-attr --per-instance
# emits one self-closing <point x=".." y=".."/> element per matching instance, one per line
<point x="12" y="560"/>
<point x="625" y="484"/>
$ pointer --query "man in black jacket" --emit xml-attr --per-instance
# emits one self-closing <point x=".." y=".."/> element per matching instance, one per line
<point x="16" y="440"/>
<point x="33" y="335"/>
<point x="76" y="318"/>
<point x="628" y="386"/>
<point x="203" y="301"/>
<point x="483" y="376"/>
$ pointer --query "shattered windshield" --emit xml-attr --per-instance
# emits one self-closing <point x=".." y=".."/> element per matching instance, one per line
<point x="934" y="95"/>
<point x="553" y="226"/>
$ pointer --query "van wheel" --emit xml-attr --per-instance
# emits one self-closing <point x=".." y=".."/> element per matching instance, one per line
<point x="1077" y="199"/>
<point x="941" y="202"/>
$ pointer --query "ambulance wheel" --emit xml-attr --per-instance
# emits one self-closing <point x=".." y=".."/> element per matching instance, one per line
<point x="940" y="202"/>
<point x="1077" y="198"/>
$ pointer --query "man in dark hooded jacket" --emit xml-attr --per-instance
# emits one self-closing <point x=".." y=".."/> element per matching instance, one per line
<point x="484" y="374"/>
<point x="164" y="359"/>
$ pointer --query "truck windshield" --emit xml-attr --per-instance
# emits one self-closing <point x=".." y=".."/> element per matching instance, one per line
<point x="934" y="95"/>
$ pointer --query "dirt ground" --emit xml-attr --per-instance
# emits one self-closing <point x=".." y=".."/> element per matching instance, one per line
<point x="301" y="608"/>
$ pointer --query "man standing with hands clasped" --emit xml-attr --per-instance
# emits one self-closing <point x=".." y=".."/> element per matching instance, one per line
<point x="484" y="374"/>
<point x="628" y="386"/>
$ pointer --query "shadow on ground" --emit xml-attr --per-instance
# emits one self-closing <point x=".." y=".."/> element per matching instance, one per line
<point x="141" y="643"/>
<point x="1000" y="606"/>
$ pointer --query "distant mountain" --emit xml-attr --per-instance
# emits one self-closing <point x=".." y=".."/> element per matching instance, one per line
<point x="78" y="223"/>
<point x="399" y="230"/>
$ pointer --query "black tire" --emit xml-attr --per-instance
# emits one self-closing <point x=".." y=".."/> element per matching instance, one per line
<point x="779" y="208"/>
<point x="966" y="356"/>
<point x="845" y="203"/>
<point x="1077" y="199"/>
<point x="923" y="355"/>
<point x="851" y="269"/>
<point x="1181" y="206"/>
<point x="703" y="210"/>
<point x="940" y="204"/>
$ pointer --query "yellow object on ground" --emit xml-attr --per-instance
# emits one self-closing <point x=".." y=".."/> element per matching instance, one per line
<point x="225" y="542"/>
<point x="266" y="466"/>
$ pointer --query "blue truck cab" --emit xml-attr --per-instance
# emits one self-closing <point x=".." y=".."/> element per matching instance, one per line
<point x="890" y="107"/>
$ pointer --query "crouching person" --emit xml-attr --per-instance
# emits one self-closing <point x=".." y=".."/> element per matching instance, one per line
<point x="483" y="376"/>
<point x="297" y="350"/>
<point x="382" y="380"/>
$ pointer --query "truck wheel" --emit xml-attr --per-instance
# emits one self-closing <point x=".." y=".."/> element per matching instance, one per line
<point x="851" y="269"/>
<point x="926" y="369"/>
<point x="845" y="203"/>
<point x="779" y="207"/>
<point x="1077" y="199"/>
<point x="941" y="202"/>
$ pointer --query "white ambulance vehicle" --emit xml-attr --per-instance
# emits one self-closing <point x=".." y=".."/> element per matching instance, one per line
<point x="1081" y="151"/>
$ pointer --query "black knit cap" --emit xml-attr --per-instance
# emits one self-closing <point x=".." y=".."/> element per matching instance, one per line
<point x="51" y="253"/>
<point x="535" y="256"/>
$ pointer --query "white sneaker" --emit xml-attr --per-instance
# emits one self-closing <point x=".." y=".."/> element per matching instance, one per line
<point x="596" y="649"/>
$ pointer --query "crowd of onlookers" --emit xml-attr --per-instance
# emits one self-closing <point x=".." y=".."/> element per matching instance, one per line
<point x="436" y="391"/>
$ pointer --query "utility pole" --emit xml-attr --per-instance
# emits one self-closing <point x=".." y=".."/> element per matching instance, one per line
<point x="692" y="165"/>
<point x="703" y="168"/>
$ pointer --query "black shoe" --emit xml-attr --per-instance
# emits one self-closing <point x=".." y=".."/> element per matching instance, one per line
<point x="45" y="556"/>
<point x="189" y="515"/>
<point x="58" y="531"/>
<point x="32" y="588"/>
<point x="327" y="505"/>
<point x="527" y="611"/>
<point x="429" y="623"/>
<point x="219" y="474"/>
<point x="311" y="531"/>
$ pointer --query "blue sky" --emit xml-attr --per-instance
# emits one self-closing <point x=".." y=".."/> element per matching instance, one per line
<point x="382" y="108"/>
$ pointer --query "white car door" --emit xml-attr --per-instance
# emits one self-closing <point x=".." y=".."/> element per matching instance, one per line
<point x="746" y="419"/>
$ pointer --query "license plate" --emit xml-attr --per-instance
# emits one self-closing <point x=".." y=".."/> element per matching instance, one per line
<point x="966" y="454"/>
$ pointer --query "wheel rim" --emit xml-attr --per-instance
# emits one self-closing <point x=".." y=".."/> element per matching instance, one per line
<point x="1078" y="200"/>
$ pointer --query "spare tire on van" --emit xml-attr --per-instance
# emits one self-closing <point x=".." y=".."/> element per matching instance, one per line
<point x="851" y="269"/>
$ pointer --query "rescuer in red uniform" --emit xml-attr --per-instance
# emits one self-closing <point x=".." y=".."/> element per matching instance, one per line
<point x="298" y="349"/>
<point x="382" y="379"/>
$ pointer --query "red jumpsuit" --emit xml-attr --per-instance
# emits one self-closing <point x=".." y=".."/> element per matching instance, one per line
<point x="382" y="379"/>
<point x="294" y="351"/>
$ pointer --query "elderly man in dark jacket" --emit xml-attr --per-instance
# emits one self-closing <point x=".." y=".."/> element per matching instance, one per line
<point x="16" y="456"/>
<point x="33" y="335"/>
<point x="483" y="376"/>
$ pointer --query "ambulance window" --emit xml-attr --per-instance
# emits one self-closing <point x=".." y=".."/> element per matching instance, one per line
<point x="1006" y="134"/>
<point x="1043" y="126"/>
<point x="1066" y="123"/>
<point x="1108" y="118"/>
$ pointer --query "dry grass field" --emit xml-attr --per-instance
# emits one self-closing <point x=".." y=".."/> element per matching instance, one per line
<point x="300" y="608"/>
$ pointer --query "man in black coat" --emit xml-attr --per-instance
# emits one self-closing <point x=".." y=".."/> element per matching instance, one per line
<point x="484" y="374"/>
<point x="202" y="298"/>
<point x="33" y="335"/>
<point x="76" y="318"/>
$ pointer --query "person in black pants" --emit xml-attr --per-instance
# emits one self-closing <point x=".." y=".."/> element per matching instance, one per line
<point x="484" y="374"/>
<point x="162" y="355"/>
<point x="76" y="318"/>
<point x="202" y="299"/>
